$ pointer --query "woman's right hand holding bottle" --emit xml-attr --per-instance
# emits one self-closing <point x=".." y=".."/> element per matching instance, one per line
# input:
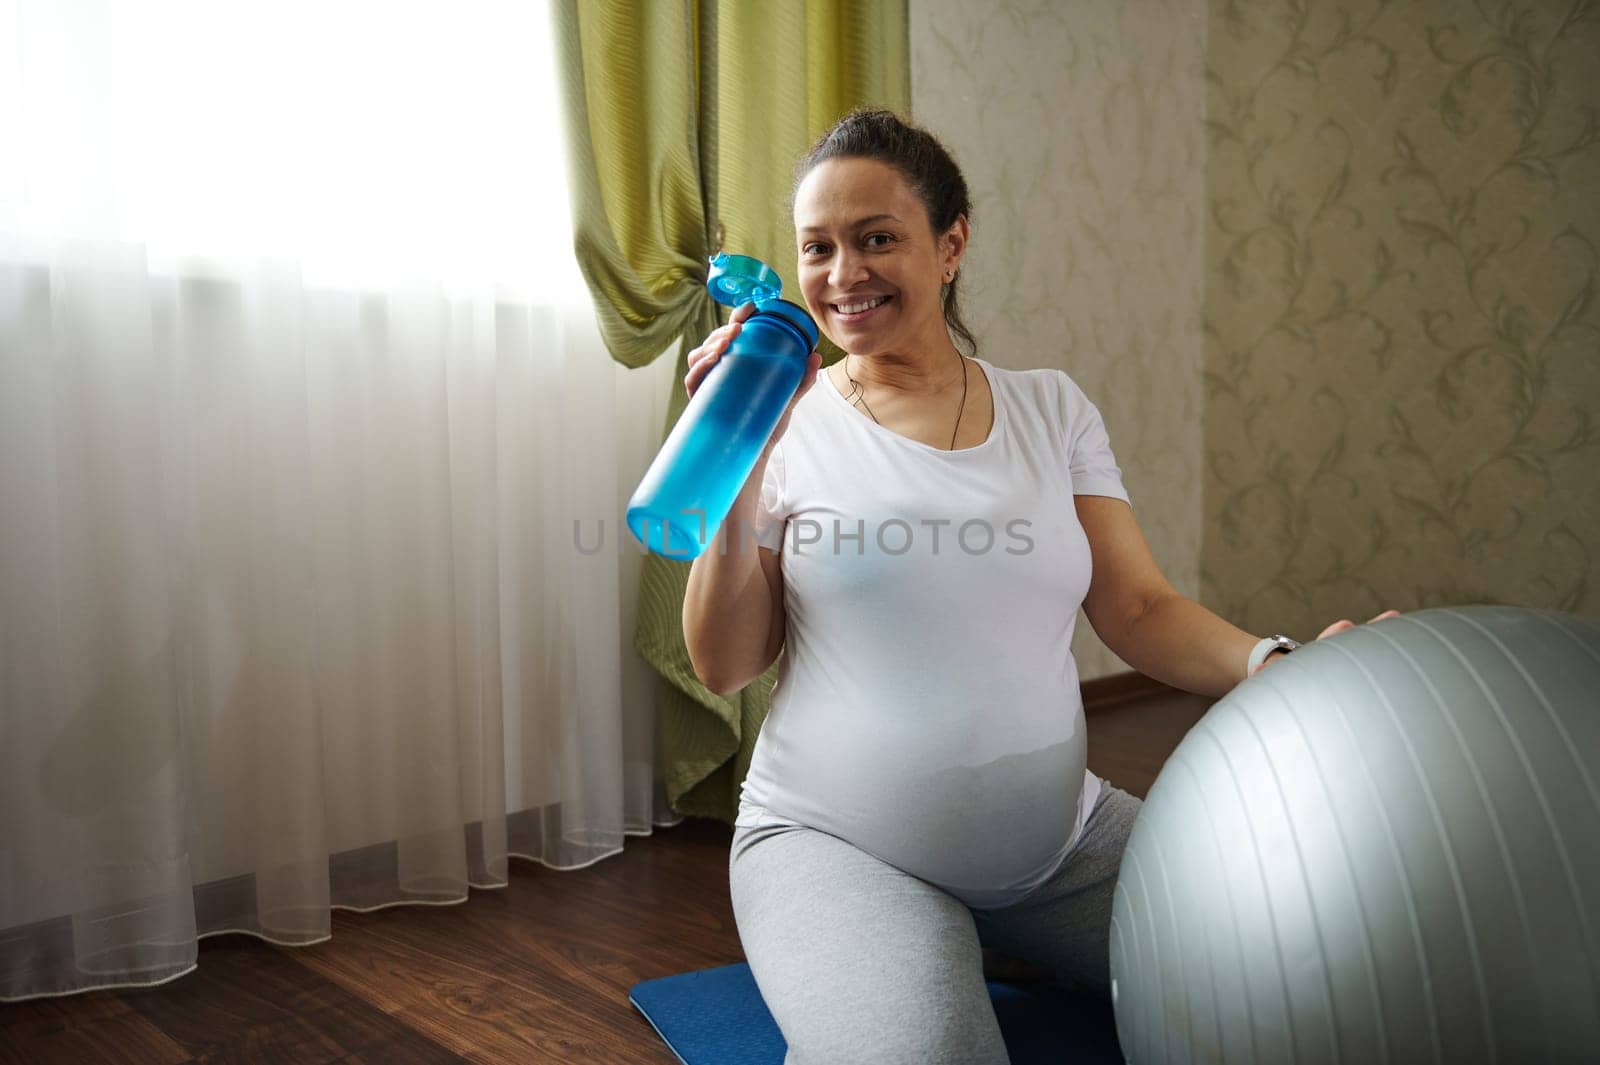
<point x="702" y="358"/>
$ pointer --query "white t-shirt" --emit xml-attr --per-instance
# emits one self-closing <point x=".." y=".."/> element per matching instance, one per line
<point x="927" y="707"/>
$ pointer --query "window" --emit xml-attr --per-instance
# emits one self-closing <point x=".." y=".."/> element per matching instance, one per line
<point x="371" y="142"/>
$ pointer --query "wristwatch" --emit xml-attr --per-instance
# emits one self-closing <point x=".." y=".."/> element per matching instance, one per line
<point x="1270" y="645"/>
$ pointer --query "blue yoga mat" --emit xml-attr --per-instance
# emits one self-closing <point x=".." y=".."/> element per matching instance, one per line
<point x="716" y="1017"/>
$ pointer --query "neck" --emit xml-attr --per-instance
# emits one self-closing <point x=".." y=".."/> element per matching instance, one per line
<point x="921" y="375"/>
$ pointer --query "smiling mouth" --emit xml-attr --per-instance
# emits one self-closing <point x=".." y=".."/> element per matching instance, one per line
<point x="858" y="308"/>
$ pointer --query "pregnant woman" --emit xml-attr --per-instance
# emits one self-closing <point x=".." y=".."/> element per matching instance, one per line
<point x="925" y="528"/>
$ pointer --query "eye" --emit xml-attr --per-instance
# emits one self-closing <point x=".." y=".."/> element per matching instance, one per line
<point x="878" y="240"/>
<point x="814" y="249"/>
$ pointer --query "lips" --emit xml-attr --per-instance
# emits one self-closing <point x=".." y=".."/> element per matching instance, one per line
<point x="858" y="308"/>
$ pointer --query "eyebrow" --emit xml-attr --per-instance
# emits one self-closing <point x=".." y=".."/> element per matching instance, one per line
<point x="857" y="224"/>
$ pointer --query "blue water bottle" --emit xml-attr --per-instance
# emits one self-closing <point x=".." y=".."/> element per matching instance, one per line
<point x="680" y="505"/>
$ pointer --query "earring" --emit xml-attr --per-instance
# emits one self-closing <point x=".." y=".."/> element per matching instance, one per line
<point x="949" y="275"/>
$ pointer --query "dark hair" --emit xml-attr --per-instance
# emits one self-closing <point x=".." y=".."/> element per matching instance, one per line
<point x="925" y="164"/>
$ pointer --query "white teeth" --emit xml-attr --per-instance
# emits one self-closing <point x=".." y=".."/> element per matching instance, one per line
<point x="857" y="308"/>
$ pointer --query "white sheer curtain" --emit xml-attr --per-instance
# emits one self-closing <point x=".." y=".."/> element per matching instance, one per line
<point x="300" y="401"/>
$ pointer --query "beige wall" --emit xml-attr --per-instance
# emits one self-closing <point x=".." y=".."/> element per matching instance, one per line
<point x="1079" y="127"/>
<point x="1402" y="342"/>
<point x="1370" y="228"/>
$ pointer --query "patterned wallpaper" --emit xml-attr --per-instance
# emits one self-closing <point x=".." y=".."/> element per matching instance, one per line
<point x="1372" y="229"/>
<point x="1402" y="343"/>
<point x="1080" y="129"/>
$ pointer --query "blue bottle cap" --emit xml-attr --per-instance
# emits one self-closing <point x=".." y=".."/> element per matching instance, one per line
<point x="738" y="279"/>
<point x="734" y="280"/>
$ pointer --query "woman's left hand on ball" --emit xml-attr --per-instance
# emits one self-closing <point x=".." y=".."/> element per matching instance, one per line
<point x="1345" y="624"/>
<point x="1342" y="625"/>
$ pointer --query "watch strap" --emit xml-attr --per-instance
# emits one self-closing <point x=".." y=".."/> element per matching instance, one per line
<point x="1265" y="647"/>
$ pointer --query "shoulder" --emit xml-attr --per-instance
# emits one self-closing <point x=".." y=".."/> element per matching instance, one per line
<point x="1049" y="392"/>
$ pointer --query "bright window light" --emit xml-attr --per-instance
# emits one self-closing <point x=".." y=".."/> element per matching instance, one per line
<point x="371" y="142"/>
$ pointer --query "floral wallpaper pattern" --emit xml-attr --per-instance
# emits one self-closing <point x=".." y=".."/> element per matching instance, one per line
<point x="1080" y="129"/>
<point x="1402" y="343"/>
<point x="1328" y="268"/>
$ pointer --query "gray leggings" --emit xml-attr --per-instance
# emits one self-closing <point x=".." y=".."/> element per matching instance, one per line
<point x="860" y="962"/>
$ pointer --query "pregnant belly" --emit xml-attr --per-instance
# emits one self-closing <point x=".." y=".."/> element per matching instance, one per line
<point x="987" y="833"/>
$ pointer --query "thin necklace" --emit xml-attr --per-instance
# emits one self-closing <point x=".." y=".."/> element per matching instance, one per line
<point x="859" y="394"/>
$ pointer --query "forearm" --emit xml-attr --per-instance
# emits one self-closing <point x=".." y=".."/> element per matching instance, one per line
<point x="728" y="605"/>
<point x="1179" y="642"/>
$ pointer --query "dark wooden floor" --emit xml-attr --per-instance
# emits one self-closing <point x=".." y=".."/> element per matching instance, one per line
<point x="537" y="972"/>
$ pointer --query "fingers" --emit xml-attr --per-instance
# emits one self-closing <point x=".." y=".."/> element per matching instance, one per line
<point x="813" y="366"/>
<point x="1342" y="625"/>
<point x="704" y="357"/>
<point x="807" y="379"/>
<point x="1345" y="624"/>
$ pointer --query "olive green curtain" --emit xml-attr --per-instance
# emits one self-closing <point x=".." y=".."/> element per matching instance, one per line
<point x="684" y="122"/>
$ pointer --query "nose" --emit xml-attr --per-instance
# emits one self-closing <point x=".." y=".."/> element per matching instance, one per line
<point x="847" y="269"/>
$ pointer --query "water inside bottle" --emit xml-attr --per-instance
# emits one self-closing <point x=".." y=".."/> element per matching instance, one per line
<point x="716" y="456"/>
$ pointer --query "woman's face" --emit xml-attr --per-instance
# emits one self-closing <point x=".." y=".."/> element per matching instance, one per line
<point x="870" y="264"/>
